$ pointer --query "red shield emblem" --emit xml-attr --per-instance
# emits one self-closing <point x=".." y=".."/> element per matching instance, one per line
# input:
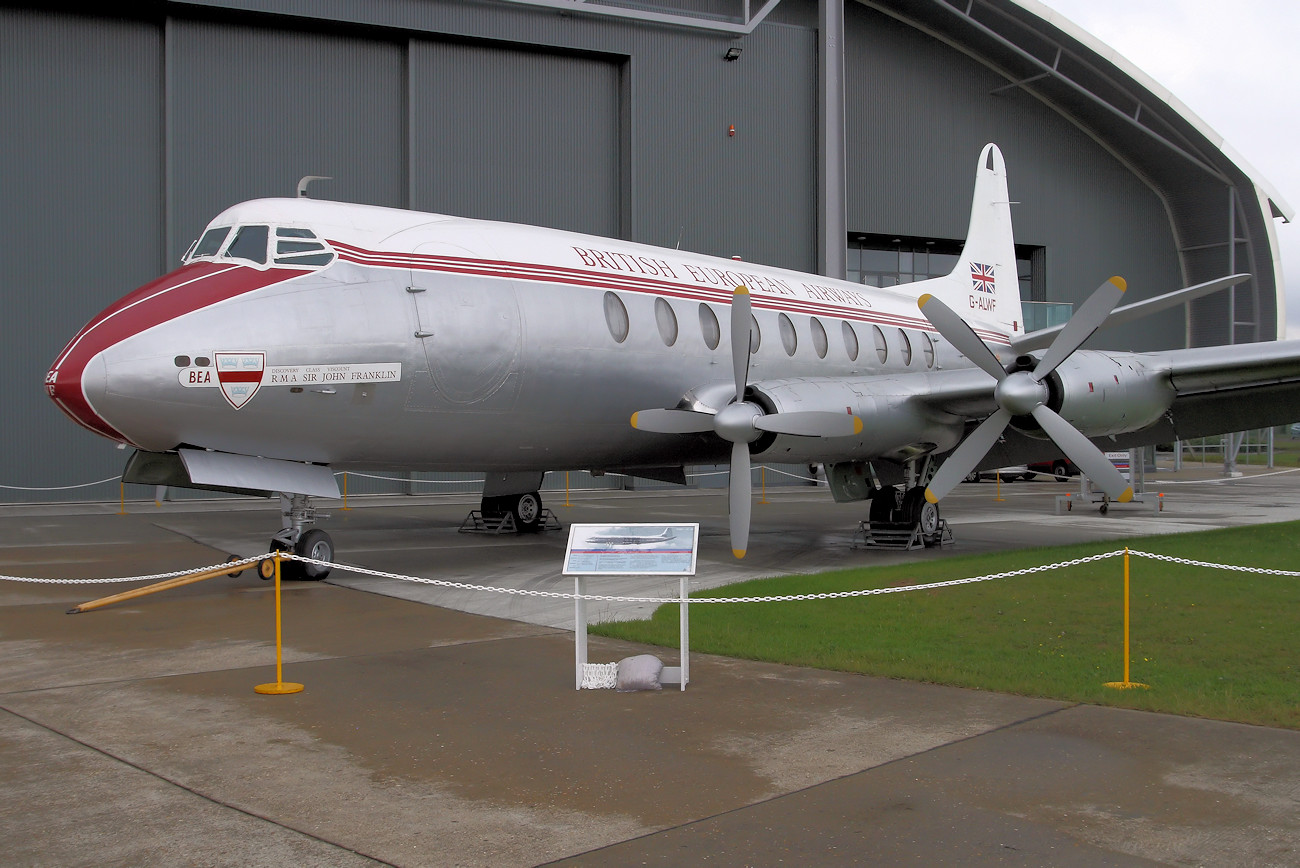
<point x="240" y="375"/>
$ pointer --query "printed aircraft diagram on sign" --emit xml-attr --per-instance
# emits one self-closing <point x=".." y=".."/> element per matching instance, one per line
<point x="301" y="337"/>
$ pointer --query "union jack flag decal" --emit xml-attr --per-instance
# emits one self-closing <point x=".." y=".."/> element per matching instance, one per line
<point x="982" y="277"/>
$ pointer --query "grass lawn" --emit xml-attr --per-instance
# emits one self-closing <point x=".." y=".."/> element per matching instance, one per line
<point x="1210" y="643"/>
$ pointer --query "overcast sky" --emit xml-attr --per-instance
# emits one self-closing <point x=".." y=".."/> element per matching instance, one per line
<point x="1234" y="66"/>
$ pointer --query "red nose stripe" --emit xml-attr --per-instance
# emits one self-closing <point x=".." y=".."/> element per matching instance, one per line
<point x="173" y="295"/>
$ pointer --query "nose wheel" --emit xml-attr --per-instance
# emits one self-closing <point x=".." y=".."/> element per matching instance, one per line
<point x="300" y="538"/>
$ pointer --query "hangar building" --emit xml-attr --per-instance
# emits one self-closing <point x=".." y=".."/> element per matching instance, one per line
<point x="820" y="135"/>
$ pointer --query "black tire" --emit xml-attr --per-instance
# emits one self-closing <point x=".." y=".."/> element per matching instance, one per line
<point x="237" y="573"/>
<point x="1029" y="476"/>
<point x="919" y="511"/>
<point x="1060" y="471"/>
<point x="883" y="504"/>
<point x="526" y="509"/>
<point x="973" y="476"/>
<point x="317" y="545"/>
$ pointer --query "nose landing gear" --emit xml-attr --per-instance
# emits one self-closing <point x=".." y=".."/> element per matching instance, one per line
<point x="300" y="538"/>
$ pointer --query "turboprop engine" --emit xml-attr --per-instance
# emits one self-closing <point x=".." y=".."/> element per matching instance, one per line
<point x="1101" y="394"/>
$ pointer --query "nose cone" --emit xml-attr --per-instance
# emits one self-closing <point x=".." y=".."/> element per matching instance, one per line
<point x="78" y="379"/>
<point x="79" y="390"/>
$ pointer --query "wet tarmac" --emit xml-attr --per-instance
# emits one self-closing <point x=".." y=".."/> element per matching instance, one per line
<point x="450" y="734"/>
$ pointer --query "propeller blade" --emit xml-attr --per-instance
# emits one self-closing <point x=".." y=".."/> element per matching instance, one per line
<point x="964" y="458"/>
<point x="1079" y="449"/>
<point x="960" y="335"/>
<point x="672" y="421"/>
<point x="1086" y="320"/>
<point x="741" y="336"/>
<point x="738" y="498"/>
<point x="810" y="423"/>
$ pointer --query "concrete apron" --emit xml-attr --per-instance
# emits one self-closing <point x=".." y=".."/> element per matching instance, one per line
<point x="431" y="737"/>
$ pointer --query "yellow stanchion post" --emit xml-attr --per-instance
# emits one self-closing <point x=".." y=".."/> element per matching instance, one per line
<point x="763" y="477"/>
<point x="122" y="495"/>
<point x="566" y="489"/>
<point x="345" y="492"/>
<point x="280" y="686"/>
<point x="1126" y="684"/>
<point x="998" y="498"/>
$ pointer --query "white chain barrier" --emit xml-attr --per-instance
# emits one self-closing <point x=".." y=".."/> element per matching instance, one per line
<point x="561" y="595"/>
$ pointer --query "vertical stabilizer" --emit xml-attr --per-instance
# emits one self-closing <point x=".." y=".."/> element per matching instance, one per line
<point x="984" y="287"/>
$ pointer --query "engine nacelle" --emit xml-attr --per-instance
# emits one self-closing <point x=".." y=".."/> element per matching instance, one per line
<point x="894" y="422"/>
<point x="1109" y="393"/>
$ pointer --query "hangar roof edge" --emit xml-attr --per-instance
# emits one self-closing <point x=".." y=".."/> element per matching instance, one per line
<point x="1158" y="90"/>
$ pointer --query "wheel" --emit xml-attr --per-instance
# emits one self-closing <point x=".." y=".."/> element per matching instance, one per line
<point x="883" y="504"/>
<point x="527" y="512"/>
<point x="919" y="511"/>
<point x="1029" y="476"/>
<point x="1060" y="471"/>
<point x="1105" y="508"/>
<point x="237" y="573"/>
<point x="973" y="476"/>
<point x="317" y="545"/>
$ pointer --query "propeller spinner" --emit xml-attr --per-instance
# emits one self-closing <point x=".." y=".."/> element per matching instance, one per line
<point x="1024" y="393"/>
<point x="742" y="422"/>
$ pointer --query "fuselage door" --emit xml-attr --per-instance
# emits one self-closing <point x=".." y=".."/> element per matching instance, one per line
<point x="468" y="322"/>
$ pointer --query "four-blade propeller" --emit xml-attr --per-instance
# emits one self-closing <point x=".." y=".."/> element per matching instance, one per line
<point x="742" y="422"/>
<point x="1024" y="393"/>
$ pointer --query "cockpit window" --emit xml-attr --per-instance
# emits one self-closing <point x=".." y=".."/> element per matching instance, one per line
<point x="211" y="241"/>
<point x="300" y="252"/>
<point x="250" y="244"/>
<point x="294" y="245"/>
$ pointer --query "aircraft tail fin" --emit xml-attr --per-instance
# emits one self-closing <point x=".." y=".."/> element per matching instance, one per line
<point x="985" y="285"/>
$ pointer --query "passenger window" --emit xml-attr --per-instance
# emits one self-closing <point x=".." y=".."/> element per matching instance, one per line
<point x="666" y="320"/>
<point x="250" y="244"/>
<point x="882" y="348"/>
<point x="789" y="340"/>
<point x="820" y="343"/>
<point x="755" y="335"/>
<point x="927" y="349"/>
<point x="616" y="317"/>
<point x="906" y="347"/>
<point x="210" y="243"/>
<point x="709" y="328"/>
<point x="850" y="341"/>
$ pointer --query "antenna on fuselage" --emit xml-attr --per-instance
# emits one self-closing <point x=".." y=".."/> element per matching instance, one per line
<point x="307" y="179"/>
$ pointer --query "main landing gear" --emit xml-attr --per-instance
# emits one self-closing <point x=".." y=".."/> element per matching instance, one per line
<point x="523" y="510"/>
<point x="299" y="537"/>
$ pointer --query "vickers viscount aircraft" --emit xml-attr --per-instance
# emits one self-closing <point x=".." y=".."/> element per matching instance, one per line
<point x="301" y="337"/>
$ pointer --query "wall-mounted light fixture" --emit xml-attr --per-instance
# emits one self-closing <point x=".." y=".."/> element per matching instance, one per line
<point x="733" y="53"/>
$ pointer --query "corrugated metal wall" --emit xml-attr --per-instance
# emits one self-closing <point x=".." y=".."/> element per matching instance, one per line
<point x="81" y="184"/>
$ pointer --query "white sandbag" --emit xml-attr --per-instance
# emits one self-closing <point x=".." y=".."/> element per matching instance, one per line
<point x="639" y="673"/>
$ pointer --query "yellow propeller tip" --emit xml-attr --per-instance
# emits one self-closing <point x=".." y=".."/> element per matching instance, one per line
<point x="920" y="302"/>
<point x="740" y="290"/>
<point x="634" y="415"/>
<point x="739" y="553"/>
<point x="1120" y="283"/>
<point x="1126" y="496"/>
<point x="857" y="425"/>
<point x="930" y="496"/>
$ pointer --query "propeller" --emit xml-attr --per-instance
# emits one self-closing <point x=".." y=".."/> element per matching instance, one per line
<point x="742" y="422"/>
<point x="1024" y="393"/>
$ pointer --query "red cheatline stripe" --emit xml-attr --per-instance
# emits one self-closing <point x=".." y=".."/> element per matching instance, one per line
<point x="628" y="282"/>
